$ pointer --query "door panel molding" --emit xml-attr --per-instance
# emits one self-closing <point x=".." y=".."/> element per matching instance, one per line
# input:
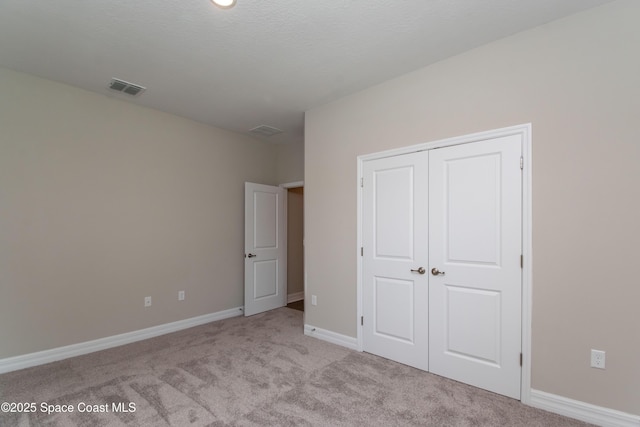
<point x="524" y="132"/>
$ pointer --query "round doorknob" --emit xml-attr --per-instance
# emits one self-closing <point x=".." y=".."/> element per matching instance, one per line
<point x="437" y="272"/>
<point x="420" y="270"/>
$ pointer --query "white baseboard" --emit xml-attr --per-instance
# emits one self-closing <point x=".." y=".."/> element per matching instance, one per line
<point x="331" y="337"/>
<point x="582" y="411"/>
<point x="296" y="296"/>
<point x="40" y="358"/>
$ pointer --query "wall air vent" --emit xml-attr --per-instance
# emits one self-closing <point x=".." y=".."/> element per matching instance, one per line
<point x="265" y="131"/>
<point x="126" y="87"/>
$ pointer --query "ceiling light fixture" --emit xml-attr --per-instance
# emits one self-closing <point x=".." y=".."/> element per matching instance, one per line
<point x="224" y="4"/>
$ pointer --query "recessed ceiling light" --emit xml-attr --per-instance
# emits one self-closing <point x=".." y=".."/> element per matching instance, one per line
<point x="224" y="4"/>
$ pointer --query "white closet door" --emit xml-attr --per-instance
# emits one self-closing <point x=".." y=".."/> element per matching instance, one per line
<point x="395" y="298"/>
<point x="475" y="287"/>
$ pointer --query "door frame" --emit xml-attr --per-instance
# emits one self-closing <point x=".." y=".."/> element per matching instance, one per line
<point x="524" y="131"/>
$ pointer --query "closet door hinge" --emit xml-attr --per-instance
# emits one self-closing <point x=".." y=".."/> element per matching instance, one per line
<point x="521" y="261"/>
<point x="520" y="359"/>
<point x="361" y="250"/>
<point x="521" y="162"/>
<point x="361" y="320"/>
<point x="361" y="182"/>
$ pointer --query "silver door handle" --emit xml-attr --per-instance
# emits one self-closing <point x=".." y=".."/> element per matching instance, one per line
<point x="251" y="256"/>
<point x="420" y="270"/>
<point x="437" y="272"/>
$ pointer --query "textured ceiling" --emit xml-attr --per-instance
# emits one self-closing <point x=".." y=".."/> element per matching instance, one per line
<point x="259" y="63"/>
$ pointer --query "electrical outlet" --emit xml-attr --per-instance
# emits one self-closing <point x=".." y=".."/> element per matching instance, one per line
<point x="180" y="295"/>
<point x="147" y="301"/>
<point x="597" y="359"/>
<point x="314" y="300"/>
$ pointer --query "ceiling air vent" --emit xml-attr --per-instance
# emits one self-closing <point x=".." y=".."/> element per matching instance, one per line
<point x="126" y="87"/>
<point x="264" y="130"/>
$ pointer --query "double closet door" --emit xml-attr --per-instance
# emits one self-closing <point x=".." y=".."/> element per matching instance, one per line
<point x="442" y="245"/>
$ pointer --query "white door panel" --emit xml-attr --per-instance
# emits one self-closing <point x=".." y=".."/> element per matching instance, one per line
<point x="265" y="217"/>
<point x="472" y="185"/>
<point x="481" y="310"/>
<point x="265" y="279"/>
<point x="395" y="242"/>
<point x="388" y="295"/>
<point x="475" y="239"/>
<point x="265" y="260"/>
<point x="393" y="203"/>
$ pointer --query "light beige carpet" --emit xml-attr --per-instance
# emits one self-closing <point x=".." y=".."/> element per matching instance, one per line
<point x="257" y="371"/>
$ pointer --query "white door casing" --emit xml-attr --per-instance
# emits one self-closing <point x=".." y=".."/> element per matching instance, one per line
<point x="395" y="243"/>
<point x="475" y="242"/>
<point x="490" y="359"/>
<point x="265" y="249"/>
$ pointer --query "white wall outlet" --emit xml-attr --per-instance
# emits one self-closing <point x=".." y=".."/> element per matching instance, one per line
<point x="314" y="300"/>
<point x="180" y="295"/>
<point x="147" y="301"/>
<point x="597" y="359"/>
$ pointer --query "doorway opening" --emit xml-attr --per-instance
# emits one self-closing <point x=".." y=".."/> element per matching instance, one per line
<point x="295" y="248"/>
<point x="274" y="255"/>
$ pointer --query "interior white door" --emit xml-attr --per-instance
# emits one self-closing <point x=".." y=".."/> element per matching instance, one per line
<point x="265" y="250"/>
<point x="475" y="287"/>
<point x="395" y="258"/>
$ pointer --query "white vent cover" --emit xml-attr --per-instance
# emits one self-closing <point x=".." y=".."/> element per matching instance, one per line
<point x="266" y="131"/>
<point x="126" y="87"/>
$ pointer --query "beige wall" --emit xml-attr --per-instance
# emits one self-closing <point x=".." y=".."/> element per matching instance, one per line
<point x="577" y="82"/>
<point x="290" y="161"/>
<point x="295" y="225"/>
<point x="103" y="203"/>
